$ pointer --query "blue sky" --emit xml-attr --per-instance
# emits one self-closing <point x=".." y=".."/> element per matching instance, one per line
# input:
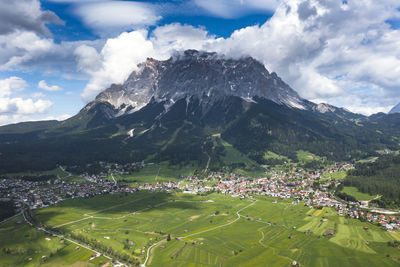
<point x="57" y="55"/>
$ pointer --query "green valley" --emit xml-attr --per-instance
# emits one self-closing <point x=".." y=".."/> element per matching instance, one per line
<point x="161" y="229"/>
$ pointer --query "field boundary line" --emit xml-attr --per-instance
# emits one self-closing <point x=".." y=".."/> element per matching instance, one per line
<point x="61" y="225"/>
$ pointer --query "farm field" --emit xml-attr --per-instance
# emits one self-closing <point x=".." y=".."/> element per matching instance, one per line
<point x="210" y="230"/>
<point x="353" y="191"/>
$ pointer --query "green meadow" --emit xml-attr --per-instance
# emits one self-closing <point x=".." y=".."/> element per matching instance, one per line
<point x="339" y="175"/>
<point x="22" y="245"/>
<point x="232" y="155"/>
<point x="305" y="156"/>
<point x="158" y="172"/>
<point x="353" y="191"/>
<point x="209" y="230"/>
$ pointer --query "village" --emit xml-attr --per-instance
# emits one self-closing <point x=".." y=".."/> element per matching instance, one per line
<point x="310" y="188"/>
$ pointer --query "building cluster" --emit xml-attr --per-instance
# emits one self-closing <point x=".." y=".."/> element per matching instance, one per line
<point x="46" y="193"/>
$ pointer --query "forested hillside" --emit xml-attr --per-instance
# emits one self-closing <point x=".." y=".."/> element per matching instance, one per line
<point x="380" y="177"/>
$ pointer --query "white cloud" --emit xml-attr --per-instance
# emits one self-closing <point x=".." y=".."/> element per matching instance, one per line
<point x="176" y="37"/>
<point x="43" y="85"/>
<point x="109" y="16"/>
<point x="88" y="58"/>
<point x="11" y="85"/>
<point x="119" y="57"/>
<point x="18" y="105"/>
<point x="13" y="108"/>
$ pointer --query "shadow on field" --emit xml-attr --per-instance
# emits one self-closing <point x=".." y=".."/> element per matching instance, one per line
<point x="113" y="205"/>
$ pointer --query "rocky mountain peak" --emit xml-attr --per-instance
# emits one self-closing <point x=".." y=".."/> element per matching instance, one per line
<point x="323" y="108"/>
<point x="206" y="76"/>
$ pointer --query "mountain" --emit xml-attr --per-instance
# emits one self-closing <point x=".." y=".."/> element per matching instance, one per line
<point x="395" y="109"/>
<point x="206" y="76"/>
<point x="183" y="108"/>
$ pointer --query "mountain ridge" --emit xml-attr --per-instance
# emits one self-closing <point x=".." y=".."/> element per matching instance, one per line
<point x="201" y="74"/>
<point x="178" y="111"/>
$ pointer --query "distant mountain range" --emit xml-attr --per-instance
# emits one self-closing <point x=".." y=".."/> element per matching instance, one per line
<point x="181" y="108"/>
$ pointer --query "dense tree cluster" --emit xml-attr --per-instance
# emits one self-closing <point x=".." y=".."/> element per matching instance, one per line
<point x="381" y="177"/>
<point x="6" y="209"/>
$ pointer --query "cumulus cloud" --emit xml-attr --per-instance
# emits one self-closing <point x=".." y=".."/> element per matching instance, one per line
<point x="11" y="85"/>
<point x="44" y="86"/>
<point x="18" y="105"/>
<point x="13" y="107"/>
<point x="89" y="59"/>
<point x="118" y="58"/>
<point x="25" y="15"/>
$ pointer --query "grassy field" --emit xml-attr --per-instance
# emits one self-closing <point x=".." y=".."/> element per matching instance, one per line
<point x="234" y="156"/>
<point x="353" y="191"/>
<point x="272" y="155"/>
<point x="305" y="156"/>
<point x="214" y="230"/>
<point x="370" y="159"/>
<point x="340" y="175"/>
<point x="159" y="172"/>
<point x="22" y="245"/>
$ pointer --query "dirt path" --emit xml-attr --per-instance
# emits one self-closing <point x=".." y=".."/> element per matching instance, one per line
<point x="262" y="236"/>
<point x="149" y="256"/>
<point x="220" y="226"/>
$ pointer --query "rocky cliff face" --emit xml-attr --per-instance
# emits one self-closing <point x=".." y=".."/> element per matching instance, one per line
<point x="205" y="76"/>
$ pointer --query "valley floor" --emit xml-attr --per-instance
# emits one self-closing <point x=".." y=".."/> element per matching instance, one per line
<point x="208" y="230"/>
